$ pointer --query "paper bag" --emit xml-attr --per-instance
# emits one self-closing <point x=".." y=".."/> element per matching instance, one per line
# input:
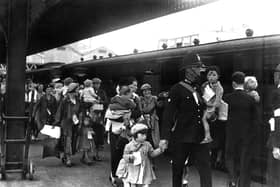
<point x="223" y="111"/>
<point x="137" y="158"/>
<point x="277" y="112"/>
<point x="90" y="135"/>
<point x="75" y="119"/>
<point x="208" y="93"/>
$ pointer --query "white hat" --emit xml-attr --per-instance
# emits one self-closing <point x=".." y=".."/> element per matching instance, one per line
<point x="138" y="127"/>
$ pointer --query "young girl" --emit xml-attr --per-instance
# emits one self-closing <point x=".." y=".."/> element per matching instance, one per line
<point x="98" y="128"/>
<point x="88" y="94"/>
<point x="86" y="141"/>
<point x="212" y="93"/>
<point x="135" y="169"/>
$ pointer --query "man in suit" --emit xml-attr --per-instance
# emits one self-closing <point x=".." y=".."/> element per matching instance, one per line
<point x="182" y="126"/>
<point x="273" y="173"/>
<point x="240" y="132"/>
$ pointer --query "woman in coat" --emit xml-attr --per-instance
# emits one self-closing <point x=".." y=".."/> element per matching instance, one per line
<point x="148" y="104"/>
<point x="69" y="115"/>
<point x="45" y="110"/>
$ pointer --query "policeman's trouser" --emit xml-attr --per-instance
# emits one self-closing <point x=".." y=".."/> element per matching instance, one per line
<point x="201" y="155"/>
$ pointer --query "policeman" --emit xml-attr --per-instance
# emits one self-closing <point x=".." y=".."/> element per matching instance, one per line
<point x="183" y="127"/>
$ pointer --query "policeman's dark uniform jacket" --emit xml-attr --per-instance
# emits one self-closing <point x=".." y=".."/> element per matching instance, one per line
<point x="183" y="127"/>
<point x="273" y="177"/>
<point x="241" y="128"/>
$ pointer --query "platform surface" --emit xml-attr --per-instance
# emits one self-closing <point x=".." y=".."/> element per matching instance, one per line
<point x="50" y="172"/>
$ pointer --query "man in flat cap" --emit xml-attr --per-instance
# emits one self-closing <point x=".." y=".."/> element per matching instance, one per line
<point x="183" y="127"/>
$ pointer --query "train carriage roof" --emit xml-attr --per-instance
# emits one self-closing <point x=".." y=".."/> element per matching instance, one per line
<point x="235" y="45"/>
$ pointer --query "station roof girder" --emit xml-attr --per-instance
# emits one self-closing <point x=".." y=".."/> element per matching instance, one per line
<point x="54" y="23"/>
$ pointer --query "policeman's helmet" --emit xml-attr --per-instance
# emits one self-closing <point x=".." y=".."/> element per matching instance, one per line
<point x="192" y="67"/>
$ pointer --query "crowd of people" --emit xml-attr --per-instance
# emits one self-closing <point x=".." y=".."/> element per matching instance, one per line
<point x="77" y="109"/>
<point x="85" y="115"/>
<point x="199" y="125"/>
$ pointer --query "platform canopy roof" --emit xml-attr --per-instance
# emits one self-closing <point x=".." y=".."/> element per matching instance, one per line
<point x="54" y="23"/>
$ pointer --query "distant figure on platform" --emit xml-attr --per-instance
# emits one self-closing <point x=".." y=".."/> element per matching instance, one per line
<point x="40" y="91"/>
<point x="45" y="110"/>
<point x="86" y="140"/>
<point x="57" y="93"/>
<point x="250" y="86"/>
<point x="97" y="118"/>
<point x="98" y="113"/>
<point x="103" y="99"/>
<point x="31" y="98"/>
<point x="67" y="81"/>
<point x="240" y="132"/>
<point x="89" y="95"/>
<point x="182" y="125"/>
<point x="136" y="112"/>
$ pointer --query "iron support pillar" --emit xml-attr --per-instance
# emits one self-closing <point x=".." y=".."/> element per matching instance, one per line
<point x="16" y="58"/>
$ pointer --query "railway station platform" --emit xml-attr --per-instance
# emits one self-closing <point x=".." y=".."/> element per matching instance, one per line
<point x="50" y="172"/>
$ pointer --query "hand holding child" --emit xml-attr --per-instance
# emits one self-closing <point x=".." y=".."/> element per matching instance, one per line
<point x="163" y="145"/>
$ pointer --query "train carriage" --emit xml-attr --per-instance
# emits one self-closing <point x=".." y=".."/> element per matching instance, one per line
<point x="257" y="56"/>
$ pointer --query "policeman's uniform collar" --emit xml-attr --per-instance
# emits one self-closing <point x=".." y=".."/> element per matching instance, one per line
<point x="191" y="84"/>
